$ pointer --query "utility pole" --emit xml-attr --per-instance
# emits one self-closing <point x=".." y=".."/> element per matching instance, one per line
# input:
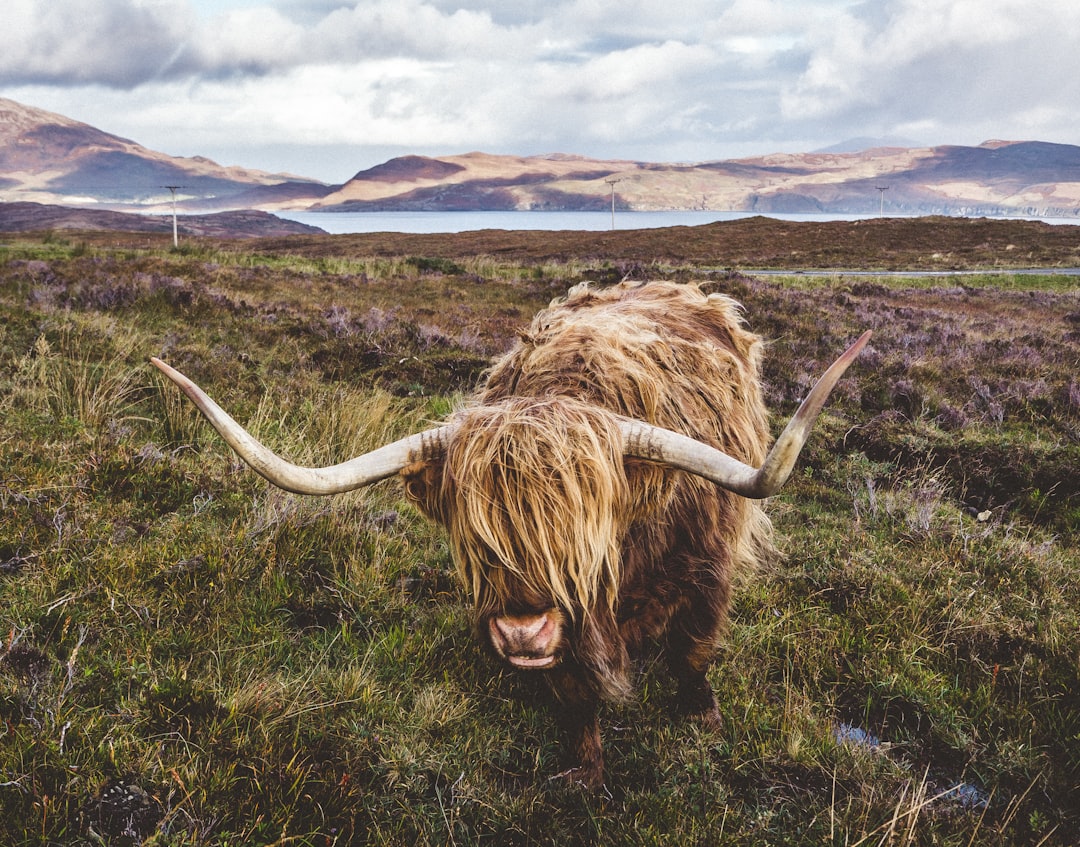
<point x="173" y="189"/>
<point x="881" y="207"/>
<point x="612" y="182"/>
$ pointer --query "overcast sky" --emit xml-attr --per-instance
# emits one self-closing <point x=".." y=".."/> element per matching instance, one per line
<point x="325" y="88"/>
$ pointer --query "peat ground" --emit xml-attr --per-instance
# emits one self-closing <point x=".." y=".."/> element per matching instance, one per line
<point x="190" y="657"/>
<point x="933" y="243"/>
<point x="930" y="243"/>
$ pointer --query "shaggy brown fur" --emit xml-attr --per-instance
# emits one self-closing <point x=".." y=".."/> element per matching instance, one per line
<point x="546" y="516"/>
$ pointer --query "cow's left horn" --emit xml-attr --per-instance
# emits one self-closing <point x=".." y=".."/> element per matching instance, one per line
<point x="679" y="451"/>
<point x="355" y="473"/>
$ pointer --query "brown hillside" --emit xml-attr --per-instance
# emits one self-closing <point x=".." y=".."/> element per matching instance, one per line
<point x="933" y="243"/>
<point x="49" y="158"/>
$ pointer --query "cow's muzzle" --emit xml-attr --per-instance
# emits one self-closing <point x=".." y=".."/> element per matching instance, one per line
<point x="530" y="641"/>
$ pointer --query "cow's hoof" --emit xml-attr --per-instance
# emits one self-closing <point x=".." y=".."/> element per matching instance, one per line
<point x="587" y="779"/>
<point x="699" y="705"/>
<point x="709" y="719"/>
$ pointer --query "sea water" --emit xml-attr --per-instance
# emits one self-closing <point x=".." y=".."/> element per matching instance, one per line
<point x="429" y="222"/>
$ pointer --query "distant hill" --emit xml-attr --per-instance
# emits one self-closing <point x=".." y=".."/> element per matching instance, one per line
<point x="244" y="223"/>
<point x="995" y="178"/>
<point x="479" y="181"/>
<point x="50" y="159"/>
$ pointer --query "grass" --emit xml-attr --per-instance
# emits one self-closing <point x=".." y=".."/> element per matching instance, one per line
<point x="189" y="657"/>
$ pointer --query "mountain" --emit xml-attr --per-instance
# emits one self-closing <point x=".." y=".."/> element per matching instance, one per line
<point x="476" y="181"/>
<point x="995" y="178"/>
<point x="48" y="158"/>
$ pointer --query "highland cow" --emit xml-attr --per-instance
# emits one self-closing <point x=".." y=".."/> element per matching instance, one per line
<point x="599" y="492"/>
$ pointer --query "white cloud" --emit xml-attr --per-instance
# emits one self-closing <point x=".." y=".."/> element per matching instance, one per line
<point x="700" y="79"/>
<point x="634" y="73"/>
<point x="963" y="61"/>
<point x="247" y="41"/>
<point x="113" y="42"/>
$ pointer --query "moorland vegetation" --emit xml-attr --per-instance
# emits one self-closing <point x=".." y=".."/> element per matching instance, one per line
<point x="189" y="656"/>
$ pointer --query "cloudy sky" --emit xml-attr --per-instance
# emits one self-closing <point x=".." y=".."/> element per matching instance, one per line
<point x="325" y="88"/>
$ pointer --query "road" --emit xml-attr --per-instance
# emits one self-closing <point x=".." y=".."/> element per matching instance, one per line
<point x="985" y="272"/>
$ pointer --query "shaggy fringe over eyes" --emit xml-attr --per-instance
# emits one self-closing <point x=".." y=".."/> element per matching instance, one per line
<point x="537" y="489"/>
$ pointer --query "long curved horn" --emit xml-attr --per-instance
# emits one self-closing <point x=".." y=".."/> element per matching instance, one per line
<point x="355" y="473"/>
<point x="679" y="451"/>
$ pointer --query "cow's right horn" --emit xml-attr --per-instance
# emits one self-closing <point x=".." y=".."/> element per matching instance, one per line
<point x="355" y="473"/>
<point x="679" y="451"/>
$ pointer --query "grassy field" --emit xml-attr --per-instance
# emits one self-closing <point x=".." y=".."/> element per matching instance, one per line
<point x="190" y="657"/>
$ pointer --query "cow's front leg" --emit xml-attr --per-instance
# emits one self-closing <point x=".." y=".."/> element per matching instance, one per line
<point x="577" y="709"/>
<point x="689" y="660"/>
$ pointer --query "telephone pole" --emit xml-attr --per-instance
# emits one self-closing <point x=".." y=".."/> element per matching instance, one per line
<point x="173" y="189"/>
<point x="612" y="182"/>
<point x="881" y="207"/>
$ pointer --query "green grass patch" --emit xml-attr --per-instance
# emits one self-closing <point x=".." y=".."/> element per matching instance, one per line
<point x="997" y="281"/>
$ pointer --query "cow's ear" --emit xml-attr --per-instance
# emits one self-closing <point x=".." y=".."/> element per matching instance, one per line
<point x="417" y="480"/>
<point x="422" y="486"/>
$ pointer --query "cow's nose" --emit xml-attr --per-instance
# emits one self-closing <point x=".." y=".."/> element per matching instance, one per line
<point x="524" y="640"/>
<point x="528" y="629"/>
